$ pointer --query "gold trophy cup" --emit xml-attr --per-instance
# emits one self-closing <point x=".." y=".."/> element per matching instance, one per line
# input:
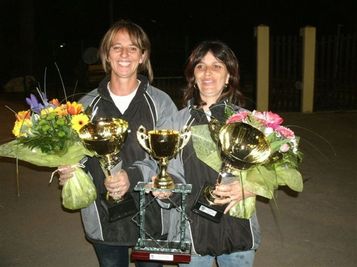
<point x="163" y="145"/>
<point x="105" y="137"/>
<point x="241" y="146"/>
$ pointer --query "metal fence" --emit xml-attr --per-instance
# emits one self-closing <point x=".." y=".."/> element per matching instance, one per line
<point x="285" y="73"/>
<point x="335" y="73"/>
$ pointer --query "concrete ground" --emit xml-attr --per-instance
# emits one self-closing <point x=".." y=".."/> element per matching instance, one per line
<point x="315" y="228"/>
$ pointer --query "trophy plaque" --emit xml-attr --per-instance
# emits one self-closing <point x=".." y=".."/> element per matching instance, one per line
<point x="105" y="137"/>
<point x="150" y="249"/>
<point x="163" y="145"/>
<point x="241" y="146"/>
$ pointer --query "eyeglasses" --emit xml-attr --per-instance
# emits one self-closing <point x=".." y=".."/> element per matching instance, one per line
<point x="132" y="49"/>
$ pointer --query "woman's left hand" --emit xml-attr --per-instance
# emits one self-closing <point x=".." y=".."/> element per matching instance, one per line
<point x="230" y="194"/>
<point x="118" y="184"/>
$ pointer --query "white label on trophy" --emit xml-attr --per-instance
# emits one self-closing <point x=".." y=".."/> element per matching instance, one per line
<point x="161" y="257"/>
<point x="208" y="210"/>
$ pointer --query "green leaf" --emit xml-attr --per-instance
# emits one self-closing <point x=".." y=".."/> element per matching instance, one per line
<point x="290" y="177"/>
<point x="244" y="209"/>
<point x="205" y="148"/>
<point x="228" y="111"/>
<point x="260" y="181"/>
<point x="275" y="145"/>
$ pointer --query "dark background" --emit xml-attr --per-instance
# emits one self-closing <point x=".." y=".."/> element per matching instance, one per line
<point x="35" y="34"/>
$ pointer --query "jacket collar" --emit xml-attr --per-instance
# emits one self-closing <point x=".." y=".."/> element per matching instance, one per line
<point x="217" y="110"/>
<point x="103" y="86"/>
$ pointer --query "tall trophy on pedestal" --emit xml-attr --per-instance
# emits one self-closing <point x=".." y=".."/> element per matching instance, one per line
<point x="105" y="137"/>
<point x="241" y="146"/>
<point x="162" y="145"/>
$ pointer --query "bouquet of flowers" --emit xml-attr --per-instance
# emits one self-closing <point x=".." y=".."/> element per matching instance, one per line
<point x="280" y="169"/>
<point x="46" y="135"/>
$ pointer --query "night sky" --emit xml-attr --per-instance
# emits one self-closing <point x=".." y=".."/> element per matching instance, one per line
<point x="33" y="30"/>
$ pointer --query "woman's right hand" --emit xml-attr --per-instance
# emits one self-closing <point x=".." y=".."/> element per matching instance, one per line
<point x="65" y="173"/>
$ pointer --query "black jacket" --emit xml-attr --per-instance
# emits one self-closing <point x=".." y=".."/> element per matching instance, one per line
<point x="149" y="108"/>
<point x="207" y="237"/>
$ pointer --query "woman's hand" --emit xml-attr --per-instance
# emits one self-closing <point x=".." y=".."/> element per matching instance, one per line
<point x="118" y="184"/>
<point x="65" y="172"/>
<point x="230" y="194"/>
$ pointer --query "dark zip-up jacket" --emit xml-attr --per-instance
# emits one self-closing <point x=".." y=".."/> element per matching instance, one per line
<point x="208" y="238"/>
<point x="150" y="107"/>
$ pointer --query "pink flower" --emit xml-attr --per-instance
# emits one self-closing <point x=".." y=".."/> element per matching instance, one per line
<point x="238" y="117"/>
<point x="286" y="132"/>
<point x="284" y="148"/>
<point x="268" y="118"/>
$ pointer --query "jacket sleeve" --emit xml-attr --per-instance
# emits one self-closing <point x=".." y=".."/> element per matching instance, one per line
<point x="166" y="109"/>
<point x="87" y="99"/>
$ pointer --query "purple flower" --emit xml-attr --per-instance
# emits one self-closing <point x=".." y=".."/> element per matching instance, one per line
<point x="35" y="106"/>
<point x="44" y="98"/>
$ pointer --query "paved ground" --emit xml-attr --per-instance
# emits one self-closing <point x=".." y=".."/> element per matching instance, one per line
<point x="315" y="228"/>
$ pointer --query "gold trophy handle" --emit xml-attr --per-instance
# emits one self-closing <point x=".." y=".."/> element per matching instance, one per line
<point x="142" y="138"/>
<point x="184" y="137"/>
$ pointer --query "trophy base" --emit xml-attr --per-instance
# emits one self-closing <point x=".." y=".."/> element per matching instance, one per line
<point x="117" y="210"/>
<point x="204" y="208"/>
<point x="160" y="250"/>
<point x="164" y="184"/>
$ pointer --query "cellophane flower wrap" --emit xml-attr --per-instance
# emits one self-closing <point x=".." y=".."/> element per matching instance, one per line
<point x="264" y="179"/>
<point x="47" y="135"/>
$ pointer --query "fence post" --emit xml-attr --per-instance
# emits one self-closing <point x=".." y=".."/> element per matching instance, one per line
<point x="308" y="68"/>
<point x="262" y="35"/>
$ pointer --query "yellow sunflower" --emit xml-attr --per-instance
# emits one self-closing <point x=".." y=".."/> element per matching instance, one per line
<point x="78" y="121"/>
